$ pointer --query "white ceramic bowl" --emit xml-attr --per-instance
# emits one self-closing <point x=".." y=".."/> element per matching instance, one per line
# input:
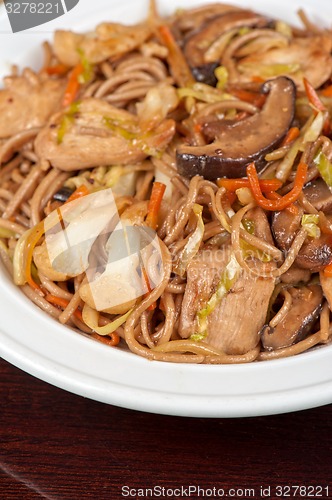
<point x="39" y="345"/>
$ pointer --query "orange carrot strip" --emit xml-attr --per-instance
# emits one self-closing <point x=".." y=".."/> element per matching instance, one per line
<point x="57" y="69"/>
<point x="313" y="97"/>
<point x="176" y="59"/>
<point x="317" y="104"/>
<point x="78" y="193"/>
<point x="112" y="339"/>
<point x="328" y="271"/>
<point x="292" y="209"/>
<point x="266" y="185"/>
<point x="157" y="193"/>
<point x="327" y="92"/>
<point x="252" y="97"/>
<point x="73" y="85"/>
<point x="63" y="303"/>
<point x="285" y="200"/>
<point x="292" y="134"/>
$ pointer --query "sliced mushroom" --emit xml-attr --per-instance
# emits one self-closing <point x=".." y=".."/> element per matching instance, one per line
<point x="285" y="226"/>
<point x="319" y="195"/>
<point x="246" y="141"/>
<point x="315" y="254"/>
<point x="198" y="42"/>
<point x="295" y="275"/>
<point x="297" y="322"/>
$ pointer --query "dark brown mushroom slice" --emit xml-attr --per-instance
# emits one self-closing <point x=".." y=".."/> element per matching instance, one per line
<point x="319" y="195"/>
<point x="247" y="140"/>
<point x="284" y="227"/>
<point x="205" y="73"/>
<point x="295" y="275"/>
<point x="297" y="323"/>
<point x="198" y="42"/>
<point x="315" y="253"/>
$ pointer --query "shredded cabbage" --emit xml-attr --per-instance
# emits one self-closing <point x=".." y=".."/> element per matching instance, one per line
<point x="193" y="244"/>
<point x="310" y="223"/>
<point x="324" y="166"/>
<point x="227" y="281"/>
<point x="91" y="316"/>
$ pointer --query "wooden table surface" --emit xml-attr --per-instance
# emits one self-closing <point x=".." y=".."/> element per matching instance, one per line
<point x="57" y="445"/>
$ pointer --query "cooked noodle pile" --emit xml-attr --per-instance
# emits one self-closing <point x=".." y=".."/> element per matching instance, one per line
<point x="212" y="130"/>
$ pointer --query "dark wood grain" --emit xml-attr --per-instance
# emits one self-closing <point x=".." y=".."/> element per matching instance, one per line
<point x="56" y="445"/>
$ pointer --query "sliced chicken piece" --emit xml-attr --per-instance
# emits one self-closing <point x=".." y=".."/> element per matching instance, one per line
<point x="312" y="54"/>
<point x="203" y="275"/>
<point x="28" y="101"/>
<point x="234" y="324"/>
<point x="109" y="40"/>
<point x="194" y="18"/>
<point x="97" y="133"/>
<point x="297" y="322"/>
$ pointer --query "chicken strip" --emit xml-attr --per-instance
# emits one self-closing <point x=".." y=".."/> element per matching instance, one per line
<point x="28" y="101"/>
<point x="94" y="133"/>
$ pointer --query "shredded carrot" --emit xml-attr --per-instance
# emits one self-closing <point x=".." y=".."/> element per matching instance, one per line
<point x="111" y="339"/>
<point x="257" y="79"/>
<point x="78" y="193"/>
<point x="292" y="134"/>
<point x="327" y="92"/>
<point x="73" y="85"/>
<point x="57" y="69"/>
<point x="178" y="64"/>
<point x="284" y="201"/>
<point x="266" y="185"/>
<point x="63" y="303"/>
<point x="34" y="285"/>
<point x="231" y="196"/>
<point x="252" y="97"/>
<point x="292" y="209"/>
<point x="312" y="96"/>
<point x="328" y="271"/>
<point x="157" y="193"/>
<point x="317" y="104"/>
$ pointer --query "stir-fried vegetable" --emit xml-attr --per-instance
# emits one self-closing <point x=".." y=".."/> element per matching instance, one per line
<point x="157" y="193"/>
<point x="284" y="201"/>
<point x="324" y="166"/>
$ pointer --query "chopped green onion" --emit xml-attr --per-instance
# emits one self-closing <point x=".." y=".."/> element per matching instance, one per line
<point x="249" y="225"/>
<point x="67" y="120"/>
<point x="88" y="71"/>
